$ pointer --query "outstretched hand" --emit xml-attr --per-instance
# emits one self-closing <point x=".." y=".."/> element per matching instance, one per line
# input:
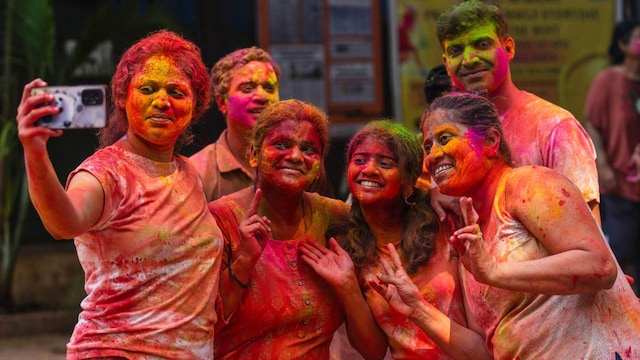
<point x="469" y="244"/>
<point x="254" y="228"/>
<point x="334" y="265"/>
<point x="396" y="286"/>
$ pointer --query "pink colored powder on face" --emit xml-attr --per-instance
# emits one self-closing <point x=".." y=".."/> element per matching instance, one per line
<point x="253" y="87"/>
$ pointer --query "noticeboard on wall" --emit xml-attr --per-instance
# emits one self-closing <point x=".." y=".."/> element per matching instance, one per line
<point x="560" y="46"/>
<point x="329" y="52"/>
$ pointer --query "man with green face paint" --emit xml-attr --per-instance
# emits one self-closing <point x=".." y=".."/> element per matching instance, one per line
<point x="243" y="83"/>
<point x="477" y="51"/>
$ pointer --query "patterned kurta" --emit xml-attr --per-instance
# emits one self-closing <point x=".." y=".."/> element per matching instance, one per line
<point x="151" y="262"/>
<point x="288" y="311"/>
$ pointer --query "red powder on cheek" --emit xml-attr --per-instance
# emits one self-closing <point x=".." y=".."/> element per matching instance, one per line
<point x="566" y="193"/>
<point x="561" y="202"/>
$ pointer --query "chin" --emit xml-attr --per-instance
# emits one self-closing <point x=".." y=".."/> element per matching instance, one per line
<point x="451" y="190"/>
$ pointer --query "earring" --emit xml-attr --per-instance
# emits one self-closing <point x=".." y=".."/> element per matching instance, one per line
<point x="407" y="195"/>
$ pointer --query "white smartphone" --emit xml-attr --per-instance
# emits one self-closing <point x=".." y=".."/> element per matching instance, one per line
<point x="81" y="107"/>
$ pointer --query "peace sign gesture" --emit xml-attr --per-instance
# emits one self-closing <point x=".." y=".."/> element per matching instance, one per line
<point x="396" y="286"/>
<point x="470" y="245"/>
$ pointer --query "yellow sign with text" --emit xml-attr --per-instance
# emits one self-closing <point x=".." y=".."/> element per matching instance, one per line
<point x="560" y="47"/>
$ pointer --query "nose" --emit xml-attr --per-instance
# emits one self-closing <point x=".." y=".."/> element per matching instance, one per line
<point x="370" y="168"/>
<point x="295" y="154"/>
<point x="260" y="95"/>
<point x="162" y="100"/>
<point x="434" y="154"/>
<point x="469" y="56"/>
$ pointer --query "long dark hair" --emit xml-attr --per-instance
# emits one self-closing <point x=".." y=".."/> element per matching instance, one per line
<point x="420" y="223"/>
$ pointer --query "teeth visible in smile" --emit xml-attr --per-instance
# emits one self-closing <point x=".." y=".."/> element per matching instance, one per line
<point x="369" y="183"/>
<point x="442" y="168"/>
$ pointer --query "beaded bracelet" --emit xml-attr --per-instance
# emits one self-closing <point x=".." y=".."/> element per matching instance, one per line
<point x="243" y="285"/>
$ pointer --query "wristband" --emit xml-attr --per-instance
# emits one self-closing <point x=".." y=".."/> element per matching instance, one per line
<point x="243" y="285"/>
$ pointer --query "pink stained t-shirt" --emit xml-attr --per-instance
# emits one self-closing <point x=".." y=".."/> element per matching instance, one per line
<point x="539" y="132"/>
<point x="438" y="284"/>
<point x="287" y="312"/>
<point x="520" y="325"/>
<point x="613" y="107"/>
<point x="151" y="262"/>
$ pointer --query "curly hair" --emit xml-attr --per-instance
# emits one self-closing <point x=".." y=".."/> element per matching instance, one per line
<point x="288" y="110"/>
<point x="183" y="53"/>
<point x="221" y="73"/>
<point x="461" y="18"/>
<point x="420" y="223"/>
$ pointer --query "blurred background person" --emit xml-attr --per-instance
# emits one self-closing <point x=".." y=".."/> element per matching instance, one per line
<point x="612" y="119"/>
<point x="244" y="83"/>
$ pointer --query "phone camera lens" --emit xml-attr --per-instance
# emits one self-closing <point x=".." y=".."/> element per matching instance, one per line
<point x="92" y="97"/>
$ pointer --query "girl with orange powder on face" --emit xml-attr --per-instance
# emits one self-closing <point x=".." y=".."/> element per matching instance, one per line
<point x="148" y="245"/>
<point x="538" y="277"/>
<point x="271" y="303"/>
<point x="384" y="160"/>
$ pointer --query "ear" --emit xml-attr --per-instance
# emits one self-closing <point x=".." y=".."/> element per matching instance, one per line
<point x="510" y="47"/>
<point x="221" y="101"/>
<point x="622" y="46"/>
<point x="492" y="142"/>
<point x="253" y="158"/>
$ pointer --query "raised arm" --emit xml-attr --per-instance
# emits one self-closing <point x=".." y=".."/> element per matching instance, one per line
<point x="335" y="266"/>
<point x="554" y="212"/>
<point x="65" y="214"/>
<point x="234" y="280"/>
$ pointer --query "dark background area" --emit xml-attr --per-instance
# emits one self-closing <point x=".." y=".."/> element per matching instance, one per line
<point x="217" y="27"/>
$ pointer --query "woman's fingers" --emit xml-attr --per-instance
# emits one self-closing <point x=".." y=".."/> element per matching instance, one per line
<point x="395" y="258"/>
<point x="255" y="204"/>
<point x="468" y="213"/>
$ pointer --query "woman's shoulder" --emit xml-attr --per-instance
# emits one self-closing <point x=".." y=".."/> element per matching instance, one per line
<point x="535" y="173"/>
<point x="319" y="202"/>
<point x="534" y="181"/>
<point x="236" y="200"/>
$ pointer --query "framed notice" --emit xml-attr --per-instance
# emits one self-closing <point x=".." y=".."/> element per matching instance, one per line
<point x="329" y="52"/>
